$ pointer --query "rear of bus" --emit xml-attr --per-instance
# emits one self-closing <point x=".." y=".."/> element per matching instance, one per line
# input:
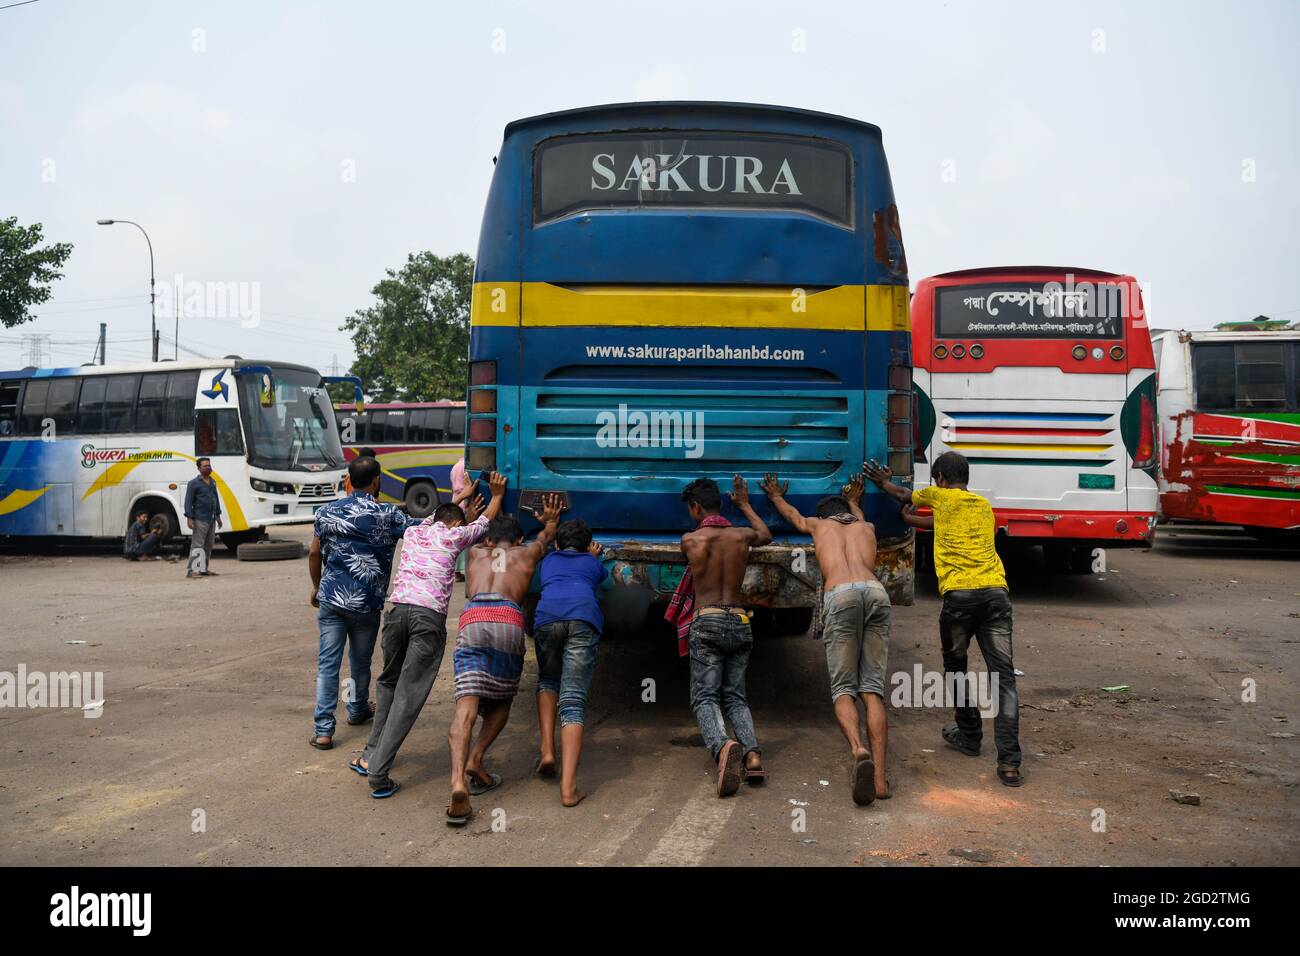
<point x="1044" y="379"/>
<point x="732" y="273"/>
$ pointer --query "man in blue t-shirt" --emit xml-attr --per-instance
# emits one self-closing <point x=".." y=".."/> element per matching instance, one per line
<point x="566" y="630"/>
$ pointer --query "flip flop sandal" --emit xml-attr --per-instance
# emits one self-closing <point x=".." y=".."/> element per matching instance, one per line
<point x="459" y="821"/>
<point x="320" y="746"/>
<point x="357" y="768"/>
<point x="864" y="782"/>
<point x="476" y="788"/>
<point x="386" y="792"/>
<point x="729" y="769"/>
<point x="1010" y="776"/>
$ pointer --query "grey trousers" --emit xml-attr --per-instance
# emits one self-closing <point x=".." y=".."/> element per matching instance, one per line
<point x="413" y="640"/>
<point x="203" y="536"/>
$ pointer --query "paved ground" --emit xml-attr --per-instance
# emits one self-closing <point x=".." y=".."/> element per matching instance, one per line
<point x="209" y="688"/>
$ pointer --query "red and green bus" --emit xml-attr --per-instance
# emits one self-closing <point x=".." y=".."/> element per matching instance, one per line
<point x="1230" y="417"/>
<point x="1044" y="379"/>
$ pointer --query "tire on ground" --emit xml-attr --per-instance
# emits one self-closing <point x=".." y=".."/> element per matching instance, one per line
<point x="269" y="550"/>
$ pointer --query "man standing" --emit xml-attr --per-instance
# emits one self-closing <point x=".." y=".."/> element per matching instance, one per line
<point x="353" y="545"/>
<point x="714" y="624"/>
<point x="140" y="541"/>
<point x="975" y="599"/>
<point x="855" y="624"/>
<point x="203" y="515"/>
<point x="415" y="631"/>
<point x="489" y="656"/>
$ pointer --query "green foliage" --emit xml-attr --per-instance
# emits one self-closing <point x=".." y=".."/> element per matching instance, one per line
<point x="26" y="270"/>
<point x="413" y="343"/>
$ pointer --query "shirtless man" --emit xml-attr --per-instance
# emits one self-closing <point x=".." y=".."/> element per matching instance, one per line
<point x="855" y="624"/>
<point x="489" y="654"/>
<point x="717" y="627"/>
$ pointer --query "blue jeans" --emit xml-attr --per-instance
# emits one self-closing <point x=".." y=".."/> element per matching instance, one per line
<point x="566" y="659"/>
<point x="720" y="646"/>
<point x="358" y="631"/>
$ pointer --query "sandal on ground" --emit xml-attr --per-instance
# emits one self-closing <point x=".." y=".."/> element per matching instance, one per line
<point x="476" y="787"/>
<point x="355" y="766"/>
<point x="953" y="736"/>
<point x="1010" y="776"/>
<point x="864" y="781"/>
<point x="459" y="819"/>
<point x="383" y="793"/>
<point x="729" y="769"/>
<point x="754" y="776"/>
<point x="315" y="741"/>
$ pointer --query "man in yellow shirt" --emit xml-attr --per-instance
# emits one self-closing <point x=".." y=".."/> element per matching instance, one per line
<point x="976" y="602"/>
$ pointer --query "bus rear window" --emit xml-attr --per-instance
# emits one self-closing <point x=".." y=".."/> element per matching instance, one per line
<point x="692" y="170"/>
<point x="1031" y="311"/>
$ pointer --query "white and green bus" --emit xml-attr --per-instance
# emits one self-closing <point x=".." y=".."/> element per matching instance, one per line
<point x="83" y="449"/>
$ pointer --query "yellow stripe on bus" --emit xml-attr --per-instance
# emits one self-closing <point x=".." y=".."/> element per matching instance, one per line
<point x="877" y="308"/>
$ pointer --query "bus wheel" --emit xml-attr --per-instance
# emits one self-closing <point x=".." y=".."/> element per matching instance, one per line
<point x="421" y="498"/>
<point x="161" y="519"/>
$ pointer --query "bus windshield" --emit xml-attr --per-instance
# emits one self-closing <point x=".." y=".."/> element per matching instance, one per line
<point x="296" y="430"/>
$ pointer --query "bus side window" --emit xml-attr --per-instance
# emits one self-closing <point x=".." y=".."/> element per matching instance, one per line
<point x="179" y="413"/>
<point x="90" y="409"/>
<point x="438" y="425"/>
<point x="1261" y="375"/>
<point x="33" y="409"/>
<point x="1216" y="375"/>
<point x="362" y="420"/>
<point x="377" y="433"/>
<point x="119" y="403"/>
<point x="149" y="408"/>
<point x="417" y="431"/>
<point x="9" y="407"/>
<point x="395" y="433"/>
<point x="456" y="428"/>
<point x="61" y="403"/>
<point x="216" y="432"/>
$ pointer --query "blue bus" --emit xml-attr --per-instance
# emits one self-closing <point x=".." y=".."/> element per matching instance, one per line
<point x="665" y="291"/>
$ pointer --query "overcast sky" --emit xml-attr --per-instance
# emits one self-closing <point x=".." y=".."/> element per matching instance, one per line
<point x="305" y="147"/>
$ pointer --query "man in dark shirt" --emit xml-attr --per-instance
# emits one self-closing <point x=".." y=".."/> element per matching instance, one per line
<point x="140" y="541"/>
<point x="203" y="515"/>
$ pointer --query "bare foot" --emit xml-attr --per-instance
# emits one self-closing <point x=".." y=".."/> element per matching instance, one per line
<point x="576" y="798"/>
<point x="546" y="768"/>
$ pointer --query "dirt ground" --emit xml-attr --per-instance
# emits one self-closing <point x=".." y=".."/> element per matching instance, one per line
<point x="209" y="688"/>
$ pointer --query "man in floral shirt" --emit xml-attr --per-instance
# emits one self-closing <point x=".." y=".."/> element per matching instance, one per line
<point x="353" y="545"/>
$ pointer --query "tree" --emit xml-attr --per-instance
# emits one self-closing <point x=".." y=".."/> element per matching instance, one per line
<point x="26" y="269"/>
<point x="413" y="343"/>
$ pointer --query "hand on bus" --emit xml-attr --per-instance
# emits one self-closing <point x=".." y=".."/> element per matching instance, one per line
<point x="876" y="472"/>
<point x="594" y="549"/>
<point x="739" y="491"/>
<point x="497" y="484"/>
<point x="474" y="509"/>
<point x="852" y="492"/>
<point x="773" y="487"/>
<point x="552" y="505"/>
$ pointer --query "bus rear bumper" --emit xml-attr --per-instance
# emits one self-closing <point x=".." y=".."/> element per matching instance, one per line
<point x="780" y="575"/>
<point x="1112" y="528"/>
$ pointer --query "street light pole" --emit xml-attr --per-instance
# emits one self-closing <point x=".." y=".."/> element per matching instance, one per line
<point x="153" y="316"/>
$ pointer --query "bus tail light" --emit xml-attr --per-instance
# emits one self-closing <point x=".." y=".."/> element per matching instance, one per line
<point x="941" y="351"/>
<point x="482" y="401"/>
<point x="1079" y="352"/>
<point x="482" y="373"/>
<point x="976" y="351"/>
<point x="1117" y="352"/>
<point x="482" y="429"/>
<point x="481" y="458"/>
<point x="1145" y="456"/>
<point x="899" y="419"/>
<point x="959" y="351"/>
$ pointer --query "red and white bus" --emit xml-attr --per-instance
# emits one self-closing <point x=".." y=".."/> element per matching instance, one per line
<point x="1230" y="417"/>
<point x="1044" y="379"/>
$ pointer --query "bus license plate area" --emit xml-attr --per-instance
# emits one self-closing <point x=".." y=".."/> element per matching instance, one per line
<point x="531" y="501"/>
